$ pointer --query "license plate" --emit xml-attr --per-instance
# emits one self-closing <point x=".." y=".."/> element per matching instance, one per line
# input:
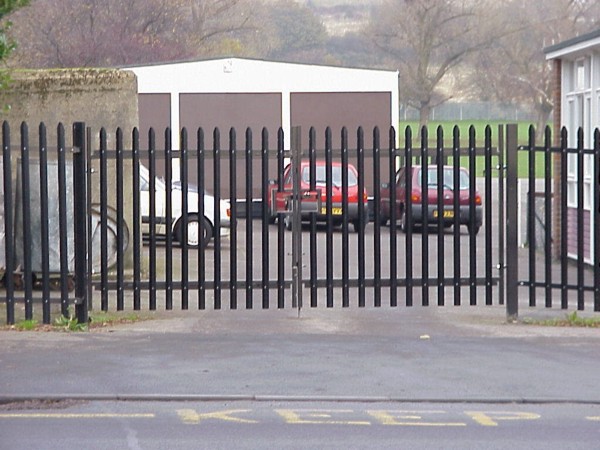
<point x="334" y="211"/>
<point x="448" y="214"/>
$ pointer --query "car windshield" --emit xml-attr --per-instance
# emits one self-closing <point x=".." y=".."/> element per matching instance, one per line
<point x="336" y="176"/>
<point x="432" y="178"/>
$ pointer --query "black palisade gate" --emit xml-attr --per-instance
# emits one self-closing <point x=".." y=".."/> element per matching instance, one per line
<point x="382" y="221"/>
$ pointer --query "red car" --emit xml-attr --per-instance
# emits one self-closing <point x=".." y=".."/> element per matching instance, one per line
<point x="448" y="190"/>
<point x="356" y="200"/>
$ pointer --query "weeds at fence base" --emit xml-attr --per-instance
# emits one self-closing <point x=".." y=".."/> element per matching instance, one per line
<point x="97" y="320"/>
<point x="570" y="320"/>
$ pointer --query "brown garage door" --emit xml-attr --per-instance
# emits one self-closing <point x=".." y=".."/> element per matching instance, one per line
<point x="343" y="109"/>
<point x="154" y="112"/>
<point x="224" y="111"/>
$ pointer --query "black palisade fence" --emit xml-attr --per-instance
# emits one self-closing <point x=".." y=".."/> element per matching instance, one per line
<point x="386" y="219"/>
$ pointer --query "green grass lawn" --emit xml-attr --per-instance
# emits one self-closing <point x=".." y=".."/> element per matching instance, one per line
<point x="479" y="127"/>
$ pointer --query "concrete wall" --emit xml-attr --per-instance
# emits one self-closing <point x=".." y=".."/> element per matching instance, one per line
<point x="99" y="97"/>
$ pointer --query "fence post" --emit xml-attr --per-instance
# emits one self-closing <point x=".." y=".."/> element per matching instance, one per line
<point x="296" y="147"/>
<point x="512" y="266"/>
<point x="80" y="221"/>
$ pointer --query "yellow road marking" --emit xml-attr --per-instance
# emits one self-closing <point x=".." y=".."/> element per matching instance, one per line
<point x="190" y="416"/>
<point x="75" y="416"/>
<point x="317" y="416"/>
<point x="410" y="418"/>
<point x="491" y="419"/>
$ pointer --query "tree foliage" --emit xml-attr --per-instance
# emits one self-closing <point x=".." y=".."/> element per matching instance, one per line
<point x="7" y="45"/>
<point x="514" y="68"/>
<point x="87" y="33"/>
<point x="443" y="49"/>
<point x="428" y="39"/>
<point x="293" y="30"/>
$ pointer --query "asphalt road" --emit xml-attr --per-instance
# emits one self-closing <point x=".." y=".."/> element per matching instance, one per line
<point x="251" y="379"/>
<point x="291" y="425"/>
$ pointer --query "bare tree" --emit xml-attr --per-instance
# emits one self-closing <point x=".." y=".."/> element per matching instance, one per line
<point x="83" y="33"/>
<point x="429" y="39"/>
<point x="514" y="68"/>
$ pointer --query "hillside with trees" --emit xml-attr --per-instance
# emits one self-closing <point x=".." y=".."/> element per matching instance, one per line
<point x="444" y="50"/>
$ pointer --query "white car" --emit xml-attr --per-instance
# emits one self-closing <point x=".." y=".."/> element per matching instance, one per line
<point x="200" y="230"/>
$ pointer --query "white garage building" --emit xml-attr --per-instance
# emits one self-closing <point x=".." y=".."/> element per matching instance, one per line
<point x="243" y="93"/>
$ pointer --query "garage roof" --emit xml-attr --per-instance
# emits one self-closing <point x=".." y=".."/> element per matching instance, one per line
<point x="249" y="75"/>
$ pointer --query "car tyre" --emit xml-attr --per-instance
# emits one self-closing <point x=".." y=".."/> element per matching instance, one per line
<point x="359" y="225"/>
<point x="473" y="229"/>
<point x="198" y="232"/>
<point x="403" y="221"/>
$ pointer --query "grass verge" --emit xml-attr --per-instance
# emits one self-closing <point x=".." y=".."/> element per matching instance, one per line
<point x="97" y="320"/>
<point x="570" y="320"/>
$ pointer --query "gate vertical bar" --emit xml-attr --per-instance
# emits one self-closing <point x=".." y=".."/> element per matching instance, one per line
<point x="472" y="235"/>
<point x="425" y="216"/>
<point x="531" y="238"/>
<point x="439" y="157"/>
<point x="548" y="216"/>
<point x="217" y="210"/>
<point x="183" y="236"/>
<point x="312" y="163"/>
<point x="345" y="237"/>
<point x="249" y="241"/>
<point x="456" y="226"/>
<point x="393" y="219"/>
<point x="501" y="215"/>
<point x="361" y="217"/>
<point x="329" y="209"/>
<point x="408" y="214"/>
<point x="168" y="155"/>
<point x="26" y="215"/>
<point x="377" y="201"/>
<point x="296" y="147"/>
<point x="265" y="217"/>
<point x="137" y="231"/>
<point x="564" y="261"/>
<point x="280" y="225"/>
<point x="8" y="224"/>
<point x="62" y="208"/>
<point x="44" y="224"/>
<point x="512" y="267"/>
<point x="233" y="219"/>
<point x="103" y="221"/>
<point x="580" y="206"/>
<point x="80" y="221"/>
<point x="488" y="215"/>
<point x="89" y="224"/>
<point x="152" y="218"/>
<point x="120" y="221"/>
<point x="200" y="166"/>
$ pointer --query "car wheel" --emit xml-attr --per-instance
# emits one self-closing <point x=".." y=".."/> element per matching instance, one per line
<point x="383" y="220"/>
<point x="198" y="231"/>
<point x="403" y="221"/>
<point x="358" y="225"/>
<point x="473" y="229"/>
